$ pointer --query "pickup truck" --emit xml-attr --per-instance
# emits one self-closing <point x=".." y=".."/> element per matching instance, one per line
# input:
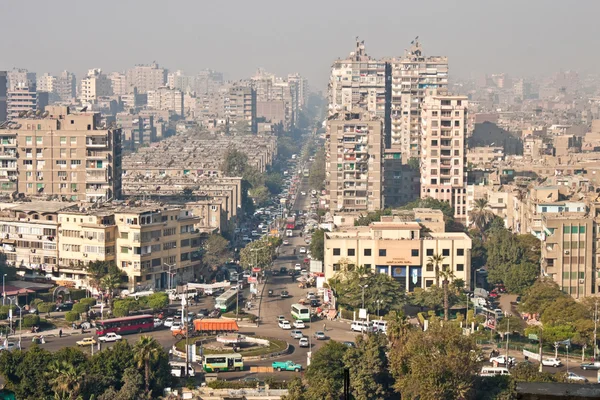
<point x="286" y="366"/>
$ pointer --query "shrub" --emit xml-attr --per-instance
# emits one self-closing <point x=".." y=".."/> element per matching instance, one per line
<point x="72" y="316"/>
<point x="45" y="307"/>
<point x="121" y="308"/>
<point x="30" y="320"/>
<point x="77" y="294"/>
<point x="89" y="301"/>
<point x="34" y="303"/>
<point x="80" y="308"/>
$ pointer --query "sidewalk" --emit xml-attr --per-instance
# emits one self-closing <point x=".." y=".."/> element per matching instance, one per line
<point x="49" y="333"/>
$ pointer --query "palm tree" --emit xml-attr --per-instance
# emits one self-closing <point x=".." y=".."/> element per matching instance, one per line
<point x="146" y="350"/>
<point x="447" y="274"/>
<point x="436" y="260"/>
<point x="481" y="215"/>
<point x="398" y="326"/>
<point x="64" y="379"/>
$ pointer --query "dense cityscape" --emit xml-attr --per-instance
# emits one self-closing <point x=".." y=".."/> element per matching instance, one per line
<point x="391" y="229"/>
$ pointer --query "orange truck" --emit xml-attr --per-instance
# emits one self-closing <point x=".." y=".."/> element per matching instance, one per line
<point x="209" y="326"/>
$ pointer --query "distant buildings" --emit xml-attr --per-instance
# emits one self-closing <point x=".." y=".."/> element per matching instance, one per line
<point x="65" y="87"/>
<point x="94" y="85"/>
<point x="146" y="77"/>
<point x="20" y="99"/>
<point x="3" y="88"/>
<point x="166" y="99"/>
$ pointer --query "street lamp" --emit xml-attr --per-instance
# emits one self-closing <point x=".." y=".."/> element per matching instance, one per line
<point x="378" y="302"/>
<point x="3" y="291"/>
<point x="363" y="294"/>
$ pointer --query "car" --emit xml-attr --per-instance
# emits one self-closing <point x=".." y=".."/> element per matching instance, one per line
<point x="169" y="322"/>
<point x="502" y="360"/>
<point x="302" y="193"/>
<point x="314" y="303"/>
<point x="298" y="267"/>
<point x="283" y="270"/>
<point x="302" y="250"/>
<point x="88" y="341"/>
<point x="280" y="318"/>
<point x="9" y="346"/>
<point x="319" y="335"/>
<point x="551" y="362"/>
<point x="286" y="366"/>
<point x="349" y="344"/>
<point x="158" y="323"/>
<point x="296" y="334"/>
<point x="286" y="242"/>
<point x="303" y="342"/>
<point x="311" y="295"/>
<point x="591" y="366"/>
<point x="299" y="324"/>
<point x="284" y="294"/>
<point x="576" y="378"/>
<point x="214" y="314"/>
<point x="177" y="325"/>
<point x="285" y="324"/>
<point x="246" y="238"/>
<point x="66" y="306"/>
<point x="110" y="337"/>
<point x="203" y="312"/>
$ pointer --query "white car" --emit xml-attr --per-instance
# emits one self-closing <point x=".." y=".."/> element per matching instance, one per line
<point x="551" y="362"/>
<point x="501" y="360"/>
<point x="169" y="322"/>
<point x="302" y="250"/>
<point x="576" y="378"/>
<point x="110" y="337"/>
<point x="298" y="267"/>
<point x="299" y="324"/>
<point x="158" y="323"/>
<point x="303" y="193"/>
<point x="285" y="324"/>
<point x="286" y="242"/>
<point x="10" y="346"/>
<point x="176" y="326"/>
<point x="303" y="342"/>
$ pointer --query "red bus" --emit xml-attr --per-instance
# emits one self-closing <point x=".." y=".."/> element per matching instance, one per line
<point x="125" y="325"/>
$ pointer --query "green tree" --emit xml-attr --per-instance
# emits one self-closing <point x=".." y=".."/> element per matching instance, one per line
<point x="274" y="182"/>
<point x="368" y="365"/>
<point x="296" y="390"/>
<point x="216" y="251"/>
<point x="146" y="351"/>
<point x="436" y="260"/>
<point x="29" y="371"/>
<point x="260" y="195"/>
<point x="121" y="308"/>
<point x="112" y="362"/>
<point x="158" y="301"/>
<point x="435" y="364"/>
<point x="414" y="163"/>
<point x="64" y="379"/>
<point x="481" y="215"/>
<point x="235" y="163"/>
<point x="46" y="307"/>
<point x="80" y="308"/>
<point x="540" y="295"/>
<point x="317" y="176"/>
<point x="96" y="270"/>
<point x="447" y="275"/>
<point x="326" y="372"/>
<point x="72" y="356"/>
<point x="72" y="316"/>
<point x="317" y="245"/>
<point x="258" y="253"/>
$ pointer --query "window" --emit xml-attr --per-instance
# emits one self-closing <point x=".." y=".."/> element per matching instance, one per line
<point x="63" y="140"/>
<point x="429" y="252"/>
<point x="460" y="267"/>
<point x="429" y="267"/>
<point x="39" y="140"/>
<point x="336" y="252"/>
<point x="446" y="252"/>
<point x="460" y="252"/>
<point x="382" y="252"/>
<point x="367" y="252"/>
<point x="124" y="250"/>
<point x="566" y="229"/>
<point x="28" y="139"/>
<point x="351" y="252"/>
<point x="414" y="253"/>
<point x="574" y="229"/>
<point x="73" y="140"/>
<point x="428" y="283"/>
<point x="582" y="229"/>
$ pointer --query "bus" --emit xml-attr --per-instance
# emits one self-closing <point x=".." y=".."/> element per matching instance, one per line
<point x="300" y="312"/>
<point x="306" y="173"/>
<point x="226" y="300"/>
<point x="223" y="362"/>
<point x="125" y="325"/>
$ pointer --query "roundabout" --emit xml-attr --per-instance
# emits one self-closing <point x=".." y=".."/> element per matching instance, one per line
<point x="249" y="347"/>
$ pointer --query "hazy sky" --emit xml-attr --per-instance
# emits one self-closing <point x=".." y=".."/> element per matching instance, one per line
<point x="236" y="36"/>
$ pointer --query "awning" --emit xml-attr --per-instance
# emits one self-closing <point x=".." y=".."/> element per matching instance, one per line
<point x="9" y="241"/>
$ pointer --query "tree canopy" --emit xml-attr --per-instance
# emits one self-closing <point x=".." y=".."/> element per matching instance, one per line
<point x="216" y="251"/>
<point x="317" y="245"/>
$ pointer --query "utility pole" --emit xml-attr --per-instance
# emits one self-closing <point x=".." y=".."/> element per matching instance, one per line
<point x="595" y="329"/>
<point x="507" y="335"/>
<point x="540" y="338"/>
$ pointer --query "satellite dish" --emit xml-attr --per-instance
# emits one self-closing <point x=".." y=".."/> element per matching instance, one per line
<point x="45" y="114"/>
<point x="38" y="113"/>
<point x="22" y="114"/>
<point x="29" y="113"/>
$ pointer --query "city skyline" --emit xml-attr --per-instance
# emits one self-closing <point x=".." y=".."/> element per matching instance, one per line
<point x="517" y="41"/>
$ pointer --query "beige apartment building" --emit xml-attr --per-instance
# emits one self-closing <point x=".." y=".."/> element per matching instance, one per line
<point x="400" y="250"/>
<point x="62" y="154"/>
<point x="484" y="156"/>
<point x="444" y="128"/>
<point x="354" y="169"/>
<point x="146" y="77"/>
<point x="94" y="85"/>
<point x="21" y="99"/>
<point x="167" y="99"/>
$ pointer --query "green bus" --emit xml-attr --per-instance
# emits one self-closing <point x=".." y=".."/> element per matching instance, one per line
<point x="223" y="362"/>
<point x="225" y="301"/>
<point x="300" y="312"/>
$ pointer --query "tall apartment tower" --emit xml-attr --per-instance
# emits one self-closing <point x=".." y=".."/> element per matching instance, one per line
<point x="414" y="76"/>
<point x="3" y="87"/>
<point x="95" y="85"/>
<point x="20" y="99"/>
<point x="364" y="82"/>
<point x="354" y="175"/>
<point x="240" y="105"/>
<point x="63" y="154"/>
<point x="443" y="150"/>
<point x="119" y="84"/>
<point x="20" y="77"/>
<point x="65" y="86"/>
<point x="146" y="77"/>
<point x="166" y="99"/>
<point x="45" y="83"/>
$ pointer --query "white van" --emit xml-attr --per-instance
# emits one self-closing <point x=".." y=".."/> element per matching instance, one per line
<point x="178" y="369"/>
<point x="362" y="326"/>
<point x="494" y="371"/>
<point x="380" y="326"/>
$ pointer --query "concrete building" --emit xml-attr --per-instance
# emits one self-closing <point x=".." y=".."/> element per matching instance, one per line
<point x="3" y="87"/>
<point x="119" y="84"/>
<point x="20" y="77"/>
<point x="354" y="168"/>
<point x="146" y="77"/>
<point x="444" y="119"/>
<point x="65" y="86"/>
<point x="398" y="249"/>
<point x="63" y="154"/>
<point x="484" y="156"/>
<point x="45" y="83"/>
<point x="240" y="106"/>
<point x="94" y="85"/>
<point x="208" y="81"/>
<point x="166" y="99"/>
<point x="21" y="99"/>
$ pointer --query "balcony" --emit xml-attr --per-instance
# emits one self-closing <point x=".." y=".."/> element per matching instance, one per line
<point x="97" y="177"/>
<point x="8" y="155"/>
<point x="96" y="142"/>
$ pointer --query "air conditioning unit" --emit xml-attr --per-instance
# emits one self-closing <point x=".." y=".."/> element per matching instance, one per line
<point x="20" y="235"/>
<point x="85" y="254"/>
<point x="33" y="250"/>
<point x="40" y="237"/>
<point x="567" y="252"/>
<point x="581" y="281"/>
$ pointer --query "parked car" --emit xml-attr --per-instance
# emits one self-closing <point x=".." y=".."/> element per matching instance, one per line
<point x="280" y="318"/>
<point x="303" y="342"/>
<point x="169" y="322"/>
<point x="285" y="325"/>
<point x="302" y="250"/>
<point x="297" y="267"/>
<point x="501" y="360"/>
<point x="214" y="314"/>
<point x="319" y="335"/>
<point x="296" y="334"/>
<point x="286" y="366"/>
<point x="551" y="362"/>
<point x="284" y="294"/>
<point x="66" y="306"/>
<point x="89" y="341"/>
<point x="576" y="378"/>
<point x="177" y="325"/>
<point x="349" y="344"/>
<point x="158" y="323"/>
<point x="299" y="324"/>
<point x="591" y="366"/>
<point x="203" y="312"/>
<point x="9" y="346"/>
<point x="110" y="337"/>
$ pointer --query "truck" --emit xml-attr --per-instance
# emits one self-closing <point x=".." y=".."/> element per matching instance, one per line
<point x="289" y="233"/>
<point x="290" y="223"/>
<point x="208" y="325"/>
<point x="286" y="366"/>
